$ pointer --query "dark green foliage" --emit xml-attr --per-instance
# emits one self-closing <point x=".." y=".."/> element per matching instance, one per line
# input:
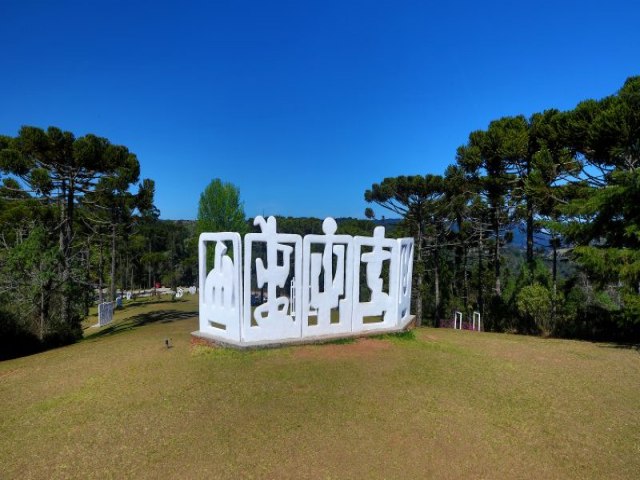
<point x="220" y="209"/>
<point x="570" y="180"/>
<point x="58" y="195"/>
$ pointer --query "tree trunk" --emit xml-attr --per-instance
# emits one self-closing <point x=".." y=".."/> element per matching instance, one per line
<point x="530" y="233"/>
<point x="112" y="289"/>
<point x="89" y="295"/>
<point x="496" y="253"/>
<point x="465" y="281"/>
<point x="100" y="274"/>
<point x="480" y="271"/>
<point x="418" y="274"/>
<point x="436" y="278"/>
<point x="42" y="315"/>
<point x="554" y="276"/>
<point x="64" y="253"/>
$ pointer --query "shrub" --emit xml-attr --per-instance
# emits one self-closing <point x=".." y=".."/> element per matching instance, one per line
<point x="534" y="302"/>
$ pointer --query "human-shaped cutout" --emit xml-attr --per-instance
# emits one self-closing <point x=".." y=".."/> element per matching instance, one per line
<point x="220" y="284"/>
<point x="374" y="261"/>
<point x="381" y="311"/>
<point x="220" y="288"/>
<point x="334" y="282"/>
<point x="273" y="275"/>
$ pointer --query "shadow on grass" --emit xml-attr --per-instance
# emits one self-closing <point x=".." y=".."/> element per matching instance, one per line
<point x="153" y="301"/>
<point x="625" y="346"/>
<point x="131" y="323"/>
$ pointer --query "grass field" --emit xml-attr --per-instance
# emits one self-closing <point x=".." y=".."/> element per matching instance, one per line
<point x="440" y="404"/>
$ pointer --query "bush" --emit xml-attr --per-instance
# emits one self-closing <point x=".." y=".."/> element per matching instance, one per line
<point x="534" y="302"/>
<point x="15" y="339"/>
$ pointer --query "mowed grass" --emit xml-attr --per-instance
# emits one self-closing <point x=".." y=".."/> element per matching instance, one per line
<point x="445" y="404"/>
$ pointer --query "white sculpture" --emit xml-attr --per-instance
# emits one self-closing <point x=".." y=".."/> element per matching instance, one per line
<point x="323" y="297"/>
<point x="192" y="290"/>
<point x="271" y="320"/>
<point x="105" y="313"/>
<point x="221" y="289"/>
<point x="128" y="295"/>
<point x="179" y="292"/>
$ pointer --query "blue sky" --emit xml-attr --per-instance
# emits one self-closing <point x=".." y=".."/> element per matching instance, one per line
<point x="301" y="104"/>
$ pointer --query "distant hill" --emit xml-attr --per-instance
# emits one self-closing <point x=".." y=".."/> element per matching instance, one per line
<point x="540" y="240"/>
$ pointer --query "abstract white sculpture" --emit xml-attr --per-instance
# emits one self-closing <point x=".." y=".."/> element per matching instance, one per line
<point x="324" y="289"/>
<point x="105" y="313"/>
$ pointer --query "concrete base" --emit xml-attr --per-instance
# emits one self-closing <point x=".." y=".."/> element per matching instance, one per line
<point x="214" y="341"/>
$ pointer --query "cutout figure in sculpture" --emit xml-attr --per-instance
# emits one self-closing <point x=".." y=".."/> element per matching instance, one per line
<point x="333" y="286"/>
<point x="374" y="260"/>
<point x="220" y="288"/>
<point x="274" y="275"/>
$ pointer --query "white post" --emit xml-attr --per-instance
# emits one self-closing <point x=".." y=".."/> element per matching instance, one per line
<point x="457" y="320"/>
<point x="292" y="300"/>
<point x="476" y="315"/>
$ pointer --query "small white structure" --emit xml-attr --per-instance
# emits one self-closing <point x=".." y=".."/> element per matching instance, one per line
<point x="105" y="313"/>
<point x="192" y="290"/>
<point x="179" y="292"/>
<point x="457" y="320"/>
<point x="324" y="282"/>
<point x="128" y="295"/>
<point x="476" y="321"/>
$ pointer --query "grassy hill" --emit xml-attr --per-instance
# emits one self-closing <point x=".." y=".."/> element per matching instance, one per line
<point x="441" y="404"/>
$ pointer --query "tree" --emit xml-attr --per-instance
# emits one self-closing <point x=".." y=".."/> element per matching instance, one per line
<point x="58" y="172"/>
<point x="220" y="209"/>
<point x="488" y="157"/>
<point x="413" y="198"/>
<point x="534" y="301"/>
<point x="467" y="213"/>
<point x="605" y="219"/>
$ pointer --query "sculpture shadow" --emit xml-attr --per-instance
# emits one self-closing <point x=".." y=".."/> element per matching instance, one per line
<point x="625" y="346"/>
<point x="137" y="321"/>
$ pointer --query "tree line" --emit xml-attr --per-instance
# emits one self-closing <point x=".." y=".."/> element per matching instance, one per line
<point x="570" y="181"/>
<point x="77" y="226"/>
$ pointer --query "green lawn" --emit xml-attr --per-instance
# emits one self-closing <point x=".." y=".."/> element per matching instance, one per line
<point x="446" y="404"/>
